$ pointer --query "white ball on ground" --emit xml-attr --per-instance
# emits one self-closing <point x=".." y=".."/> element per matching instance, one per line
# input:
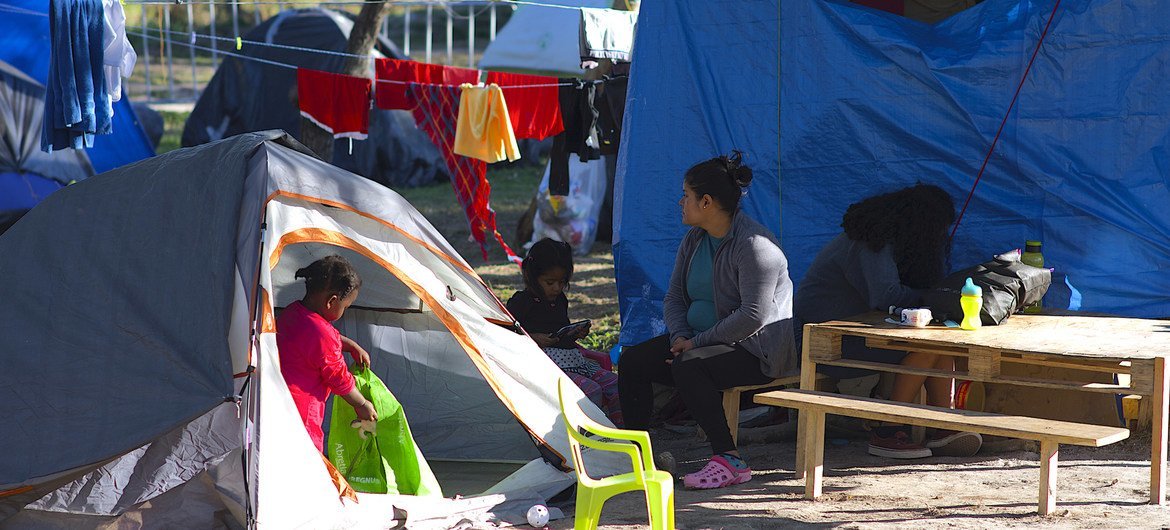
<point x="538" y="515"/>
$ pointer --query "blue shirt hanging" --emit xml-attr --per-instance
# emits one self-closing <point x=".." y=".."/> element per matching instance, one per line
<point x="77" y="106"/>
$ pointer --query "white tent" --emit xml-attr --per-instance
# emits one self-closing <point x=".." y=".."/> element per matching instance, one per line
<point x="164" y="404"/>
<point x="540" y="40"/>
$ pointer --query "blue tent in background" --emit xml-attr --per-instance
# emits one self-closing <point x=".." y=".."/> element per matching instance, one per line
<point x="24" y="44"/>
<point x="833" y="102"/>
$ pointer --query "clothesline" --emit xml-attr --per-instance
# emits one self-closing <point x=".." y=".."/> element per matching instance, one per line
<point x="232" y="40"/>
<point x="443" y="3"/>
<point x="139" y="33"/>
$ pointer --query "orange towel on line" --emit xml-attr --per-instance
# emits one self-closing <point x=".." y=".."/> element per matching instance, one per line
<point x="484" y="129"/>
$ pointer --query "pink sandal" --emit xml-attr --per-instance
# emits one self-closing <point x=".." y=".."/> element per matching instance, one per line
<point x="717" y="473"/>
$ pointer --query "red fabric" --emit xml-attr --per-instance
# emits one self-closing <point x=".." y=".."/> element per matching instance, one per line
<point x="312" y="365"/>
<point x="602" y="358"/>
<point x="436" y="111"/>
<point x="535" y="112"/>
<point x="392" y="96"/>
<point x="337" y="103"/>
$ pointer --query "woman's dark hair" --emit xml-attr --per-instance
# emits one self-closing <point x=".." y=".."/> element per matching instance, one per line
<point x="545" y="255"/>
<point x="333" y="274"/>
<point x="913" y="221"/>
<point x="724" y="178"/>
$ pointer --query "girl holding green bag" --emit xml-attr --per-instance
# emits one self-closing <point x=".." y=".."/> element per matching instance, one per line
<point x="310" y="347"/>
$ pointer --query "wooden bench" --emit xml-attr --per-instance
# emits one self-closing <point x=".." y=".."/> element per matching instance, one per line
<point x="1050" y="433"/>
<point x="731" y="398"/>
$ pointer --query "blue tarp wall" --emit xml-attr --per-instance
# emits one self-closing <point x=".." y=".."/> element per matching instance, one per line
<point x="870" y="102"/>
<point x="24" y="43"/>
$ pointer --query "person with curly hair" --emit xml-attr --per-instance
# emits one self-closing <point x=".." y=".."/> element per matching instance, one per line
<point x="728" y="315"/>
<point x="894" y="246"/>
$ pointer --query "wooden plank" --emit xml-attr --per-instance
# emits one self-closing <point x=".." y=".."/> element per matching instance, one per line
<point x="731" y="412"/>
<point x="1075" y="336"/>
<point x="1065" y="404"/>
<point x="1161" y="404"/>
<point x="808" y="381"/>
<point x="1141" y="377"/>
<point x="913" y="346"/>
<point x="825" y="347"/>
<point x="962" y="420"/>
<point x="983" y="363"/>
<point x="1104" y="388"/>
<point x="1108" y="367"/>
<point x="1049" y="453"/>
<point x="815" y="458"/>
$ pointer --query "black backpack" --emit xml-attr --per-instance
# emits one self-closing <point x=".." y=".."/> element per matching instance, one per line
<point x="1008" y="286"/>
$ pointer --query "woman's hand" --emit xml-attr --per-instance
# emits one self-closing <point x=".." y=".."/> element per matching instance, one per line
<point x="544" y="340"/>
<point x="680" y="346"/>
<point x="360" y="356"/>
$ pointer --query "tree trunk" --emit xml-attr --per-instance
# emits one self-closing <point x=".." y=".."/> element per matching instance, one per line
<point x="361" y="42"/>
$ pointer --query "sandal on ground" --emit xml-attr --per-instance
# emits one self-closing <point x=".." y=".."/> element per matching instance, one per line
<point x="717" y="473"/>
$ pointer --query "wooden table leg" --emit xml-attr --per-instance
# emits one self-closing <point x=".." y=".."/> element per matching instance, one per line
<point x="814" y="460"/>
<point x="808" y="381"/>
<point x="1049" y="454"/>
<point x="1160" y="400"/>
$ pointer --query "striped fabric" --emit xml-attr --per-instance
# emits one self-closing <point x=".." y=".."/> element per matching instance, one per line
<point x="436" y="111"/>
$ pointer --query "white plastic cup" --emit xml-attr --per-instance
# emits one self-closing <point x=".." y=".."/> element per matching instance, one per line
<point x="918" y="318"/>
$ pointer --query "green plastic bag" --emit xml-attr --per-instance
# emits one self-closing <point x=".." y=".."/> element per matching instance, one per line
<point x="383" y="461"/>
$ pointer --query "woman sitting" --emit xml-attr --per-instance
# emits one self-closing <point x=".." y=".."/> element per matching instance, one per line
<point x="894" y="246"/>
<point x="728" y="314"/>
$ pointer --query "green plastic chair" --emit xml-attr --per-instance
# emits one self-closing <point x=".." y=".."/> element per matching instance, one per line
<point x="592" y="493"/>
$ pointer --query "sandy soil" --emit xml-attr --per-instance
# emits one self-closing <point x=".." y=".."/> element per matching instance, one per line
<point x="1096" y="488"/>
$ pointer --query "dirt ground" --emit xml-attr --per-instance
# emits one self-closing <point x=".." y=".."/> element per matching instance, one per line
<point x="1096" y="488"/>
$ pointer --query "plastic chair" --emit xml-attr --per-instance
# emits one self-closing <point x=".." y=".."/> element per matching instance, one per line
<point x="592" y="493"/>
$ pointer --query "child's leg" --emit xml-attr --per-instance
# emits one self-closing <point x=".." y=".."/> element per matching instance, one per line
<point x="591" y="389"/>
<point x="940" y="391"/>
<point x="609" y="394"/>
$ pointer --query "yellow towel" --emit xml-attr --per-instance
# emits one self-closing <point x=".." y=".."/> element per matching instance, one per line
<point x="484" y="130"/>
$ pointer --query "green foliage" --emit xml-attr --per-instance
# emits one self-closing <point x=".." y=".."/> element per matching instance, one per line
<point x="172" y="130"/>
<point x="604" y="334"/>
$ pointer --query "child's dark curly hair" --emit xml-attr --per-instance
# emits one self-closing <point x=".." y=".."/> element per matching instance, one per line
<point x="914" y="222"/>
<point x="333" y="274"/>
<point x="544" y="255"/>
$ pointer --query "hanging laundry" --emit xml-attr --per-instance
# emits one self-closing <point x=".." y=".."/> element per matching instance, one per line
<point x="337" y="103"/>
<point x="484" y="130"/>
<point x="535" y="111"/>
<point x="118" y="56"/>
<point x="436" y="110"/>
<point x="392" y="96"/>
<point x="610" y="101"/>
<point x="607" y="34"/>
<point x="77" y="106"/>
<point x="592" y="113"/>
<point x="580" y="135"/>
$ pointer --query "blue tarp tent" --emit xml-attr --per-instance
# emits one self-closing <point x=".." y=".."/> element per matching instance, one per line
<point x="24" y="44"/>
<point x="833" y="102"/>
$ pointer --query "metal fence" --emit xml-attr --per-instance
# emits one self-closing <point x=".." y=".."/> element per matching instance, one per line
<point x="180" y="45"/>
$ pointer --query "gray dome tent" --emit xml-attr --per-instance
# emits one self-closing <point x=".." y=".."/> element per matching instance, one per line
<point x="246" y="96"/>
<point x="164" y="403"/>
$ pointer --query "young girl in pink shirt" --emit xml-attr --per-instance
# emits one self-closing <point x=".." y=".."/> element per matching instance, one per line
<point x="310" y="347"/>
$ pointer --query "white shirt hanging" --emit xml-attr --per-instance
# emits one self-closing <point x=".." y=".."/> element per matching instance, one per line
<point x="119" y="56"/>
